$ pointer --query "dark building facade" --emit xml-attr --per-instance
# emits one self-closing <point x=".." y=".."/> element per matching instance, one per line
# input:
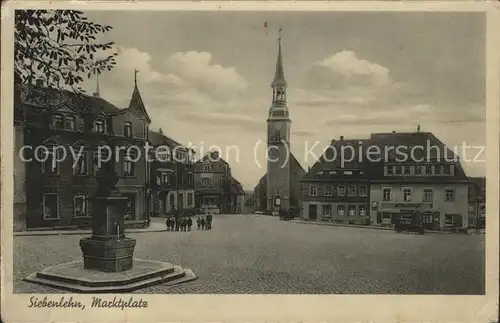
<point x="477" y="202"/>
<point x="215" y="187"/>
<point x="337" y="191"/>
<point x="172" y="176"/>
<point x="57" y="188"/>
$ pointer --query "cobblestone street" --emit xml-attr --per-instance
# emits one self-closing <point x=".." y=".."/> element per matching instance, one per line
<point x="247" y="254"/>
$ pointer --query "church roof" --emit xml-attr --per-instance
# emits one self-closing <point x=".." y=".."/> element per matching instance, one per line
<point x="279" y="74"/>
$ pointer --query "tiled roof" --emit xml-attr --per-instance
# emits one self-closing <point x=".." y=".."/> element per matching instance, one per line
<point x="159" y="139"/>
<point x="341" y="154"/>
<point x="42" y="96"/>
<point x="369" y="157"/>
<point x="237" y="188"/>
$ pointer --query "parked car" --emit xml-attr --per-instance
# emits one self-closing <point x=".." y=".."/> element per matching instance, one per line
<point x="410" y="222"/>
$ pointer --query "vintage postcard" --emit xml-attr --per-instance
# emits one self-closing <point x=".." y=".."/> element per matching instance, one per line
<point x="250" y="161"/>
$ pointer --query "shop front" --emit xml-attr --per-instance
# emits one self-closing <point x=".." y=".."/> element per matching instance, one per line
<point x="389" y="212"/>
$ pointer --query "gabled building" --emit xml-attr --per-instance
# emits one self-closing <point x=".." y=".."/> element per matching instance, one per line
<point x="336" y="189"/>
<point x="57" y="192"/>
<point x="171" y="177"/>
<point x="477" y="202"/>
<point x="215" y="187"/>
<point x="284" y="172"/>
<point x="430" y="180"/>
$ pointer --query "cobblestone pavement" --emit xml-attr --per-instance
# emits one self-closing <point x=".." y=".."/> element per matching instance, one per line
<point x="247" y="254"/>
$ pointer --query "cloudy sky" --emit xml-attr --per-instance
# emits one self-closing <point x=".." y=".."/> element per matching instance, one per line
<point x="205" y="77"/>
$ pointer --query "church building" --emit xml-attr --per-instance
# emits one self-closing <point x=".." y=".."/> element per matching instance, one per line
<point x="280" y="187"/>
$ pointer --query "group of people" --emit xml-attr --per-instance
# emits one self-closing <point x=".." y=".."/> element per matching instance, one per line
<point x="184" y="223"/>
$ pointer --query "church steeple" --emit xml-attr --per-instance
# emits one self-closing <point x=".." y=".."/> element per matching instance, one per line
<point x="279" y="83"/>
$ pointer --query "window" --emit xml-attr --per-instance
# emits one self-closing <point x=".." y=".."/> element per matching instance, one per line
<point x="340" y="190"/>
<point x="363" y="190"/>
<point x="441" y="169"/>
<point x="99" y="126"/>
<point x="428" y="169"/>
<point x="471" y="209"/>
<point x="340" y="210"/>
<point x="332" y="172"/>
<point x="348" y="172"/>
<point x="351" y="210"/>
<point x="277" y="137"/>
<point x="362" y="210"/>
<point x="162" y="154"/>
<point x="81" y="165"/>
<point x="428" y="195"/>
<point x="99" y="159"/>
<point x="313" y="191"/>
<point x="418" y="170"/>
<point x="190" y="178"/>
<point x="397" y="170"/>
<point x="327" y="210"/>
<point x="328" y="190"/>
<point x="69" y="123"/>
<point x="127" y="129"/>
<point x="165" y="178"/>
<point x="452" y="169"/>
<point x="406" y="170"/>
<point x="351" y="191"/>
<point x="207" y="168"/>
<point x="412" y="170"/>
<point x="427" y="218"/>
<point x="51" y="164"/>
<point x="482" y="210"/>
<point x="207" y="182"/>
<point x="389" y="170"/>
<point x="447" y="169"/>
<point x="190" y="199"/>
<point x="406" y="194"/>
<point x="386" y="194"/>
<point x="129" y="164"/>
<point x="449" y="194"/>
<point x="50" y="206"/>
<point x="80" y="206"/>
<point x="58" y="122"/>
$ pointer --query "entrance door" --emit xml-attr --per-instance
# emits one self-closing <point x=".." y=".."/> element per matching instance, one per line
<point x="313" y="212"/>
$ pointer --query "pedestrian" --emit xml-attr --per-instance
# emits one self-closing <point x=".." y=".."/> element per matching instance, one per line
<point x="189" y="223"/>
<point x="177" y="223"/>
<point x="202" y="222"/>
<point x="167" y="222"/>
<point x="209" y="221"/>
<point x="184" y="224"/>
<point x="198" y="222"/>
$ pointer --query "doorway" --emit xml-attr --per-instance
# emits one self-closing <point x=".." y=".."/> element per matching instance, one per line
<point x="313" y="212"/>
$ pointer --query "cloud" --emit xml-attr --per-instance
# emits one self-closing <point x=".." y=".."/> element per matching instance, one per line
<point x="195" y="69"/>
<point x="345" y="69"/>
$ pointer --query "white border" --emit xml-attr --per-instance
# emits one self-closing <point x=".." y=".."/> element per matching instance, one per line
<point x="253" y="308"/>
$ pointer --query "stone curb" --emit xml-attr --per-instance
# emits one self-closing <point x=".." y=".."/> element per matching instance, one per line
<point x="78" y="232"/>
<point x="360" y="226"/>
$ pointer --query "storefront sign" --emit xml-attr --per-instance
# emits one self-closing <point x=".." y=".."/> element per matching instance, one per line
<point x="403" y="205"/>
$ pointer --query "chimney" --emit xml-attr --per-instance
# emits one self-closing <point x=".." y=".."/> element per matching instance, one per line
<point x="341" y="137"/>
<point x="418" y="128"/>
<point x="332" y="142"/>
<point x="160" y="131"/>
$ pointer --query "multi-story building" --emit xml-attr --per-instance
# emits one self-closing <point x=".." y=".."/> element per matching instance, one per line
<point x="429" y="179"/>
<point x="237" y="197"/>
<point x="58" y="187"/>
<point x="336" y="188"/>
<point x="477" y="203"/>
<point x="172" y="177"/>
<point x="214" y="185"/>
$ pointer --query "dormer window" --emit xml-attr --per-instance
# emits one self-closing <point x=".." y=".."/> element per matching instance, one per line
<point x="207" y="168"/>
<point x="58" y="122"/>
<point x="69" y="123"/>
<point x="99" y="126"/>
<point x="127" y="129"/>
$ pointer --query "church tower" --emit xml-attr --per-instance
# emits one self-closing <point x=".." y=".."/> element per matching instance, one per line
<point x="278" y="141"/>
